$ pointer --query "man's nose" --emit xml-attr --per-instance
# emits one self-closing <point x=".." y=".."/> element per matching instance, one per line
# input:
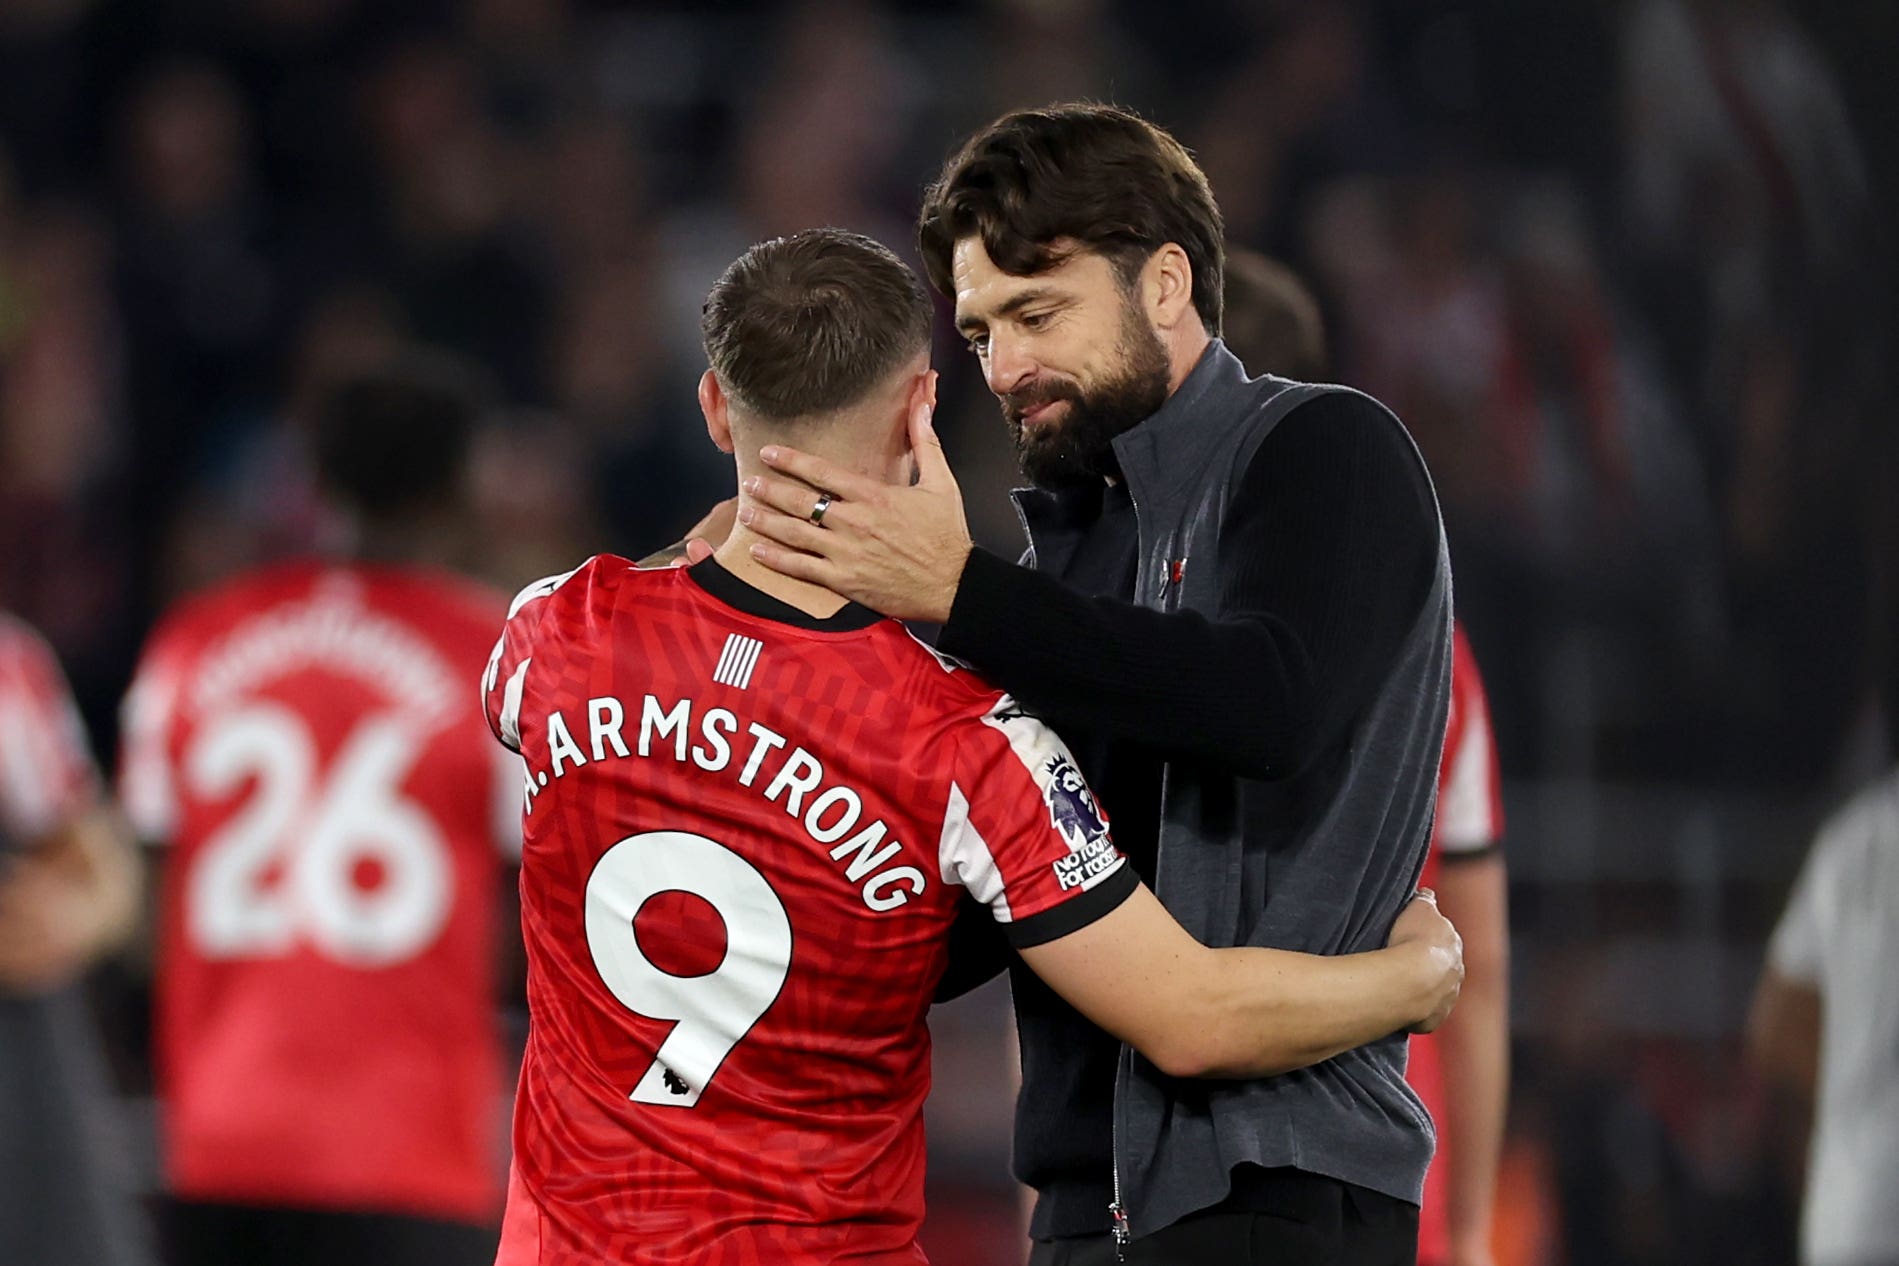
<point x="1009" y="366"/>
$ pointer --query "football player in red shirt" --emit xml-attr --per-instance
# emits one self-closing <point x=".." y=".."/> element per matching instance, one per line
<point x="69" y="888"/>
<point x="752" y="810"/>
<point x="303" y="741"/>
<point x="1462" y="1071"/>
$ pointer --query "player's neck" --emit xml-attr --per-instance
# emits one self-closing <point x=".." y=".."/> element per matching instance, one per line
<point x="736" y="557"/>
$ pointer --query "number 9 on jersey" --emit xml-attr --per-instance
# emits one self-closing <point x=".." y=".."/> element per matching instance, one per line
<point x="713" y="1012"/>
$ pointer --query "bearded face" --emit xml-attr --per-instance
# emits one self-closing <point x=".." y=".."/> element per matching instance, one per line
<point x="1064" y="427"/>
<point x="1072" y="352"/>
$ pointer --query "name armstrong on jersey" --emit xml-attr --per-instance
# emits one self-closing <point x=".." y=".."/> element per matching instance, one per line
<point x="829" y="816"/>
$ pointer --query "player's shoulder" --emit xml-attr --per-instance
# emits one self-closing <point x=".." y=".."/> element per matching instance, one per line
<point x="582" y="598"/>
<point x="17" y="636"/>
<point x="599" y="575"/>
<point x="1326" y="416"/>
<point x="23" y="649"/>
<point x="1867" y="824"/>
<point x="955" y="693"/>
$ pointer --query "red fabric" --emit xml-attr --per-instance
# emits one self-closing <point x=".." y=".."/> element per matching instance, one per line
<point x="1470" y="818"/>
<point x="46" y="771"/>
<point x="799" y="1139"/>
<point x="307" y="742"/>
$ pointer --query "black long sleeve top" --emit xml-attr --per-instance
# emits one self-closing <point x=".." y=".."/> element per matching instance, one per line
<point x="1326" y="559"/>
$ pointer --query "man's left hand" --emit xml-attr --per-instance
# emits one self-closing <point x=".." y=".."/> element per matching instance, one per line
<point x="897" y="550"/>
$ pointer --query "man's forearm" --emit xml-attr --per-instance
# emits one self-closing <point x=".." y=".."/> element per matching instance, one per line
<point x="664" y="557"/>
<point x="1270" y="1011"/>
<point x="1228" y="692"/>
<point x="96" y="852"/>
<point x="1473" y="890"/>
<point x="1475" y="1043"/>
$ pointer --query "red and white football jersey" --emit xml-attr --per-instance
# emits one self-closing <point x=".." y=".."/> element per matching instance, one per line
<point x="747" y="834"/>
<point x="46" y="769"/>
<point x="1469" y="822"/>
<point x="305" y="741"/>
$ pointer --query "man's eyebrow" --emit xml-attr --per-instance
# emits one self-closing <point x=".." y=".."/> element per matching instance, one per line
<point x="1011" y="306"/>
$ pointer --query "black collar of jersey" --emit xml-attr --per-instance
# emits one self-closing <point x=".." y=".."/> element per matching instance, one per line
<point x="734" y="592"/>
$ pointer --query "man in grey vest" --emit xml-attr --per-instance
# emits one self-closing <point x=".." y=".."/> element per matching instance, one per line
<point x="1236" y="607"/>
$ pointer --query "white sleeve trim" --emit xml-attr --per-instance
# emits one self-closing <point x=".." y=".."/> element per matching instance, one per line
<point x="540" y="589"/>
<point x="1467" y="820"/>
<point x="511" y="706"/>
<point x="964" y="858"/>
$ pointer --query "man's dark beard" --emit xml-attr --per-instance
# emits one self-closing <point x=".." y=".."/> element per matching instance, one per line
<point x="1078" y="450"/>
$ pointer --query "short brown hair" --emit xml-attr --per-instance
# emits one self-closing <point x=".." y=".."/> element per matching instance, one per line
<point x="1272" y="320"/>
<point x="812" y="322"/>
<point x="1095" y="173"/>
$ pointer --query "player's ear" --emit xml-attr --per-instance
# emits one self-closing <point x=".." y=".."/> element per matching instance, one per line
<point x="713" y="404"/>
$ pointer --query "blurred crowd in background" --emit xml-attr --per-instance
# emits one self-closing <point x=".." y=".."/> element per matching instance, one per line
<point x="1622" y="268"/>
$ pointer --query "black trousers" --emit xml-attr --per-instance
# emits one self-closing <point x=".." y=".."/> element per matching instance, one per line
<point x="206" y="1234"/>
<point x="1289" y="1218"/>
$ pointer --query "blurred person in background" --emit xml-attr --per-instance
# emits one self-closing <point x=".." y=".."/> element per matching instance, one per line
<point x="69" y="895"/>
<point x="1463" y="1070"/>
<point x="301" y="742"/>
<point x="1825" y="1027"/>
<point x="1238" y="602"/>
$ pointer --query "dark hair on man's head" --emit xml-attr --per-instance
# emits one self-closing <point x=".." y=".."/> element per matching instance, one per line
<point x="812" y="322"/>
<point x="1108" y="179"/>
<point x="395" y="439"/>
<point x="1272" y="320"/>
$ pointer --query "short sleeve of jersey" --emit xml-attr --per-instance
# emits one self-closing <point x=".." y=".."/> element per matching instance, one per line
<point x="1798" y="947"/>
<point x="1023" y="833"/>
<point x="46" y="770"/>
<point x="1470" y="797"/>
<point x="502" y="683"/>
<point x="147" y="788"/>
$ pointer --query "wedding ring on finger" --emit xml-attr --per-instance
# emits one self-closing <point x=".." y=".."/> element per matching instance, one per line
<point x="817" y="511"/>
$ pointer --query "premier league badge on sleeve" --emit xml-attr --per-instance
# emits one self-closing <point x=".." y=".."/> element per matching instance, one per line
<point x="1075" y="815"/>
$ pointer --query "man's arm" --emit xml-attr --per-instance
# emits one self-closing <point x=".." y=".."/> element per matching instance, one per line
<point x="1023" y="836"/>
<point x="1783" y="1025"/>
<point x="69" y="893"/>
<point x="1247" y="1012"/>
<point x="1326" y="556"/>
<point x="1783" y="1034"/>
<point x="700" y="539"/>
<point x="67" y="901"/>
<point x="1472" y="891"/>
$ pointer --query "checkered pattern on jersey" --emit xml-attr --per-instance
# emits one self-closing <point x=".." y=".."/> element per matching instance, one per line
<point x="804" y="1142"/>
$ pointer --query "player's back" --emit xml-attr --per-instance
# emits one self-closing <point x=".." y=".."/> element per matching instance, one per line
<point x="303" y="740"/>
<point x="747" y="834"/>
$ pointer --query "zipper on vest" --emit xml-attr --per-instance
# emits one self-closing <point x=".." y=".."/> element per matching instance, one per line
<point x="1117" y="1210"/>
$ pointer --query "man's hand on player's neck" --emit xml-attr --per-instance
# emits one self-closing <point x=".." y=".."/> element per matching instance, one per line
<point x="897" y="550"/>
<point x="735" y="555"/>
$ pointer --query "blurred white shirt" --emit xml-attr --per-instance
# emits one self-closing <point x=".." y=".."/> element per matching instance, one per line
<point x="1841" y="936"/>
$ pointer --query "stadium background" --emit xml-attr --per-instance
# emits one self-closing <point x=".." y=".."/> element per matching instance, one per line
<point x="1620" y="266"/>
